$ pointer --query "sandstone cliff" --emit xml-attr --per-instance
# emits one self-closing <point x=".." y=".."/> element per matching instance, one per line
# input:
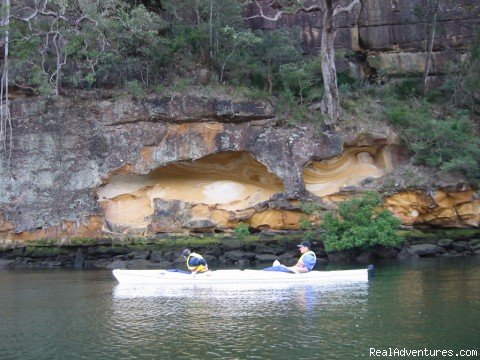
<point x="97" y="168"/>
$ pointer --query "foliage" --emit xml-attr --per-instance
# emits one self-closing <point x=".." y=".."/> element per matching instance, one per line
<point x="288" y="107"/>
<point x="138" y="50"/>
<point x="310" y="207"/>
<point x="241" y="231"/>
<point x="211" y="31"/>
<point x="301" y="77"/>
<point x="135" y="89"/>
<point x="466" y="87"/>
<point x="305" y="223"/>
<point x="407" y="88"/>
<point x="84" y="43"/>
<point x="362" y="223"/>
<point x="450" y="143"/>
<point x="261" y="65"/>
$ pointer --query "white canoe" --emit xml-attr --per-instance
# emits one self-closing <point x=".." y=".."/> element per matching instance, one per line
<point x="165" y="277"/>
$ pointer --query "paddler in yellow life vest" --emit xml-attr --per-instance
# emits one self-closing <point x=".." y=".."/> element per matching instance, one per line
<point x="305" y="263"/>
<point x="195" y="262"/>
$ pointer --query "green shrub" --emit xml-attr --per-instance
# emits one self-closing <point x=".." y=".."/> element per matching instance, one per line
<point x="241" y="231"/>
<point x="449" y="143"/>
<point x="399" y="115"/>
<point x="408" y="88"/>
<point x="310" y="207"/>
<point x="135" y="89"/>
<point x="362" y="223"/>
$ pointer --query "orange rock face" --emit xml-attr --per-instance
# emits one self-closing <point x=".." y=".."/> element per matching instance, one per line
<point x="276" y="219"/>
<point x="91" y="228"/>
<point x="442" y="208"/>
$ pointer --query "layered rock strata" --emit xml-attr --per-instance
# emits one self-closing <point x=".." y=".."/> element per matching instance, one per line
<point x="100" y="169"/>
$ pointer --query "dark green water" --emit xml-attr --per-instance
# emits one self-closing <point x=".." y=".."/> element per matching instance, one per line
<point x="432" y="304"/>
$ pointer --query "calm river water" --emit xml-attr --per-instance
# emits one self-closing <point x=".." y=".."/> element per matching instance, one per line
<point x="427" y="304"/>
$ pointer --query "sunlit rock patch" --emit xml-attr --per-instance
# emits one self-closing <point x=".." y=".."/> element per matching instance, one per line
<point x="91" y="227"/>
<point x="353" y="166"/>
<point x="458" y="208"/>
<point x="6" y="228"/>
<point x="276" y="219"/>
<point x="224" y="182"/>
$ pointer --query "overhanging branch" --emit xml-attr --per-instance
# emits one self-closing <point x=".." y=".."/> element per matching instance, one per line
<point x="347" y="9"/>
<point x="279" y="13"/>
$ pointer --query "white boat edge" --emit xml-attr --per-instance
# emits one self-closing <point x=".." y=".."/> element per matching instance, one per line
<point x="165" y="277"/>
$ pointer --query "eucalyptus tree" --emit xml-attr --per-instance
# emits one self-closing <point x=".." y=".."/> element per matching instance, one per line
<point x="211" y="30"/>
<point x="68" y="41"/>
<point x="43" y="31"/>
<point x="330" y="104"/>
<point x="5" y="118"/>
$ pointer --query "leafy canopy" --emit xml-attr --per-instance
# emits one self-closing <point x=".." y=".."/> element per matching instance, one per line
<point x="362" y="223"/>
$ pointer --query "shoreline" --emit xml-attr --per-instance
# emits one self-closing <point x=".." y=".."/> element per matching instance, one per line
<point x="224" y="250"/>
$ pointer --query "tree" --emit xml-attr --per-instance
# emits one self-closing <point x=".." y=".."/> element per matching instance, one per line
<point x="330" y="105"/>
<point x="275" y="49"/>
<point x="6" y="138"/>
<point x="467" y="86"/>
<point x="210" y="29"/>
<point x="427" y="14"/>
<point x="43" y="26"/>
<point x="57" y="43"/>
<point x="429" y="48"/>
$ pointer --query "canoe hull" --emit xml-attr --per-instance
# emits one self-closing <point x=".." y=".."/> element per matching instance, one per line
<point x="165" y="277"/>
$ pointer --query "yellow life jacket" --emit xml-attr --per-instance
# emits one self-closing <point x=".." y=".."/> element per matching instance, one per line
<point x="199" y="268"/>
<point x="309" y="252"/>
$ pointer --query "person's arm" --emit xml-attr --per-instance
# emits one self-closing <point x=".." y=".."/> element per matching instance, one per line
<point x="299" y="267"/>
<point x="306" y="265"/>
<point x="196" y="261"/>
<point x="309" y="262"/>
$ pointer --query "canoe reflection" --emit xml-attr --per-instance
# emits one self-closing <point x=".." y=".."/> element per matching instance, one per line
<point x="304" y="293"/>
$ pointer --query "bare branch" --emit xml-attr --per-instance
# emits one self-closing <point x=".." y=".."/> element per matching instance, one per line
<point x="279" y="14"/>
<point x="85" y="18"/>
<point x="347" y="9"/>
<point x="310" y="9"/>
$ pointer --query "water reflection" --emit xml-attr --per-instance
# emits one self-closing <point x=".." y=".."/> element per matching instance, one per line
<point x="237" y="323"/>
<point x="87" y="315"/>
<point x="303" y="292"/>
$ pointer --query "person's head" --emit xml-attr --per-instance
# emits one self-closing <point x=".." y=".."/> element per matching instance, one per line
<point x="304" y="246"/>
<point x="186" y="252"/>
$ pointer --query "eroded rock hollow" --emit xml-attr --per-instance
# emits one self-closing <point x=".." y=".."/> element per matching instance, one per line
<point x="354" y="165"/>
<point x="229" y="181"/>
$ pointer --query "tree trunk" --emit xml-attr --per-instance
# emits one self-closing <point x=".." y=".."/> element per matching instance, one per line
<point x="6" y="136"/>
<point x="429" y="49"/>
<point x="60" y="62"/>
<point x="330" y="105"/>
